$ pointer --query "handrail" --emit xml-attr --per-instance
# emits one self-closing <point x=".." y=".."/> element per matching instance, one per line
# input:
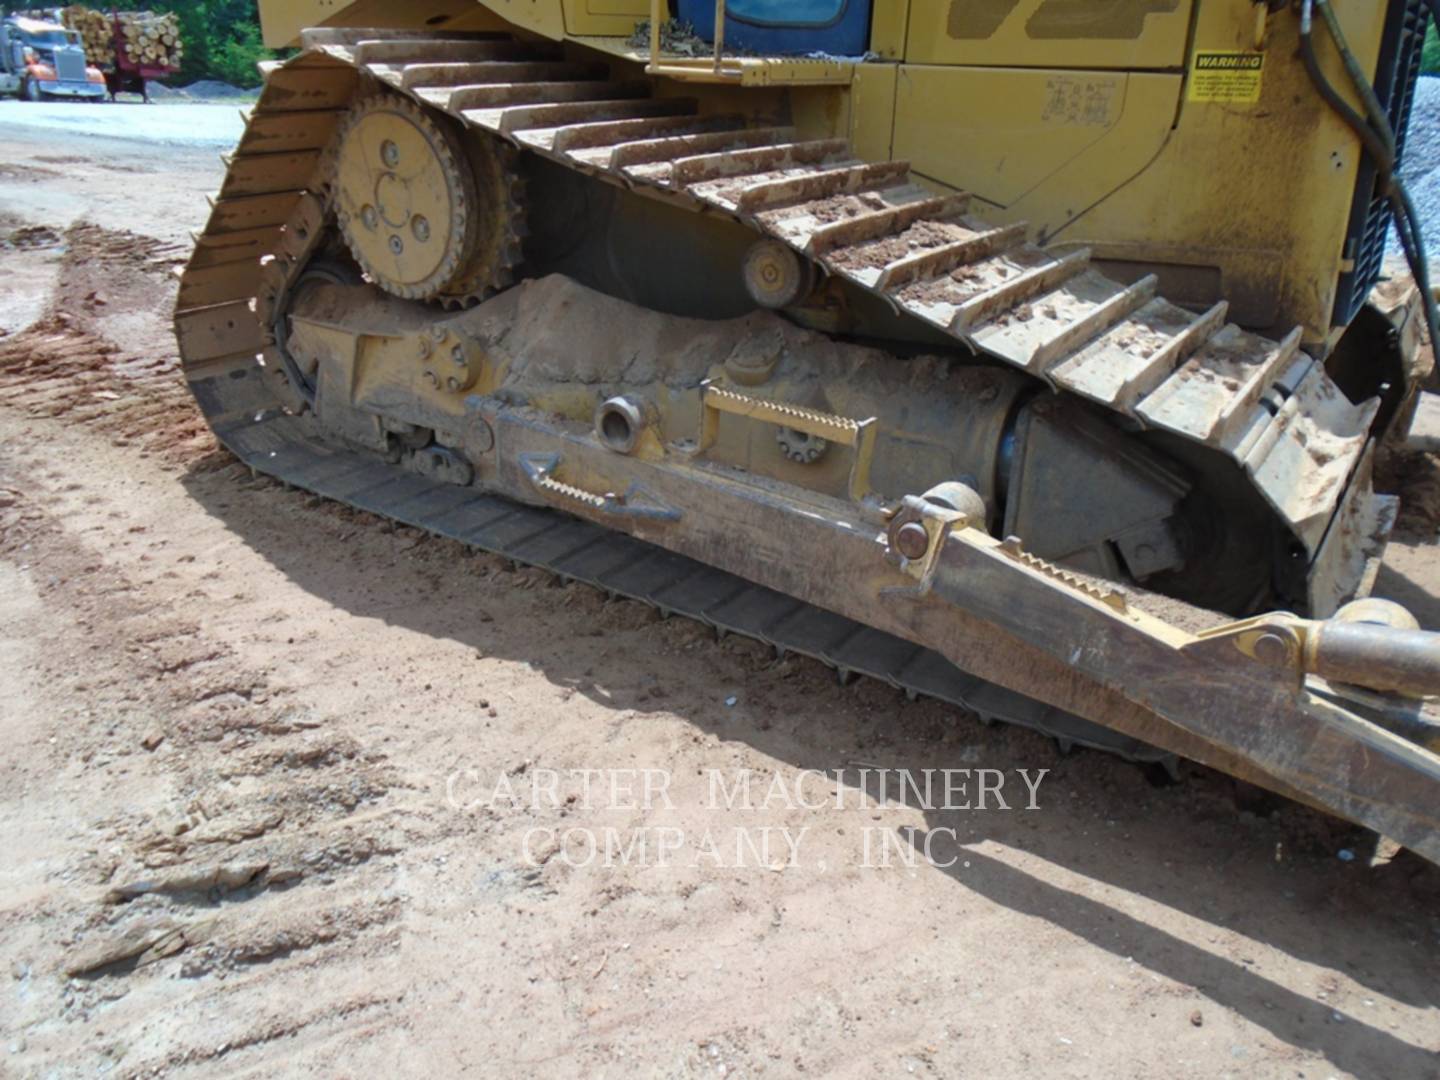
<point x="719" y="33"/>
<point x="657" y="16"/>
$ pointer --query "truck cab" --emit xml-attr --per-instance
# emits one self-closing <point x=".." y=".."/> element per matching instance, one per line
<point x="44" y="59"/>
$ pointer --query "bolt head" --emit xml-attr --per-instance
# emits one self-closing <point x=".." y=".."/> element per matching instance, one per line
<point x="432" y="378"/>
<point x="1271" y="649"/>
<point x="912" y="541"/>
<point x="370" y="216"/>
<point x="390" y="153"/>
<point x="397" y="246"/>
<point x="774" y="275"/>
<point x="421" y="228"/>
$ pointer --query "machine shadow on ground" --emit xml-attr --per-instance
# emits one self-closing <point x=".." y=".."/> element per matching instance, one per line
<point x="1348" y="1042"/>
<point x="1273" y="880"/>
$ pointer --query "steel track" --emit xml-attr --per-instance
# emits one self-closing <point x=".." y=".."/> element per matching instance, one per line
<point x="286" y="448"/>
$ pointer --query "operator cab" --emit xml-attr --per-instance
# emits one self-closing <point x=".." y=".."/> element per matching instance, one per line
<point x="41" y="59"/>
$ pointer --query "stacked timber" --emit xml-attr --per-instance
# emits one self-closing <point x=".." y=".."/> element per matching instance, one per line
<point x="149" y="40"/>
<point x="96" y="31"/>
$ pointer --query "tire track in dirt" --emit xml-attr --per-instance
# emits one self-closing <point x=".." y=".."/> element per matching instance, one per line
<point x="64" y="366"/>
<point x="257" y="834"/>
<point x="264" y="798"/>
<point x="270" y="814"/>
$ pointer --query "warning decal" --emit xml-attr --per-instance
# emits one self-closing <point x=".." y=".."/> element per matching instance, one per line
<point x="1230" y="78"/>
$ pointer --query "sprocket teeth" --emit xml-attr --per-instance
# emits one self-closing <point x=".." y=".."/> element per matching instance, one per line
<point x="475" y="267"/>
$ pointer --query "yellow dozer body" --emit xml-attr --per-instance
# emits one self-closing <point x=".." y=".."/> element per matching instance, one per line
<point x="1029" y="360"/>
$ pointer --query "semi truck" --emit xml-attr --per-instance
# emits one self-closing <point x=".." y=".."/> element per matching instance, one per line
<point x="40" y="59"/>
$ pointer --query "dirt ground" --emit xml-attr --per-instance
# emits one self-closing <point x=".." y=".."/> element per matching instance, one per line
<point x="257" y="746"/>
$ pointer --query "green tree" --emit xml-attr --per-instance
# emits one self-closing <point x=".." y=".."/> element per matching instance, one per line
<point x="1430" y="62"/>
<point x="235" y="61"/>
<point x="222" y="39"/>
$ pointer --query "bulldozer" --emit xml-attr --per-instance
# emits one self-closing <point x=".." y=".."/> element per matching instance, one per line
<point x="1023" y="354"/>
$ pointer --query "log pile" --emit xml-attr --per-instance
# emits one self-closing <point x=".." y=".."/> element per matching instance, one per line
<point x="97" y="33"/>
<point x="150" y="40"/>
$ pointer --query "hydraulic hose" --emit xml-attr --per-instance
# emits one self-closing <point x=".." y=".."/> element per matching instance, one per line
<point x="1373" y="109"/>
<point x="1379" y="140"/>
<point x="1375" y="145"/>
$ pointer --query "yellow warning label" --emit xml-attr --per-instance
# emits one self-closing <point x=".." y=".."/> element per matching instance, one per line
<point x="1229" y="78"/>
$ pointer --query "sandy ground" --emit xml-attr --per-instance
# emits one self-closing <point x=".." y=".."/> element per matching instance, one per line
<point x="259" y="748"/>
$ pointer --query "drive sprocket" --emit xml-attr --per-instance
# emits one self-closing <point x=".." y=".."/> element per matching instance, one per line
<point x="428" y="213"/>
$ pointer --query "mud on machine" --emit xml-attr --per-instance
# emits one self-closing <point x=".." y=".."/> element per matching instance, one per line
<point x="1018" y="354"/>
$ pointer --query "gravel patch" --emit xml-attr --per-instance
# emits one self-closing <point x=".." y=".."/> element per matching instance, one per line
<point x="205" y="90"/>
<point x="1421" y="167"/>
